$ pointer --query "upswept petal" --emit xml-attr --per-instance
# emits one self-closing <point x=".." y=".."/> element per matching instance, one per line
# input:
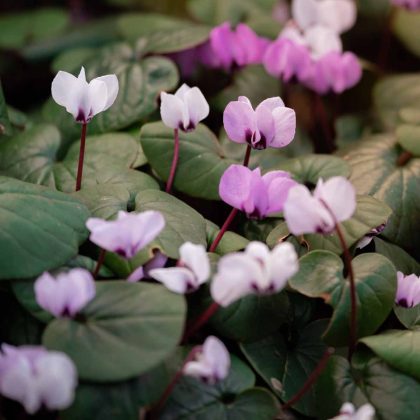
<point x="48" y="295"/>
<point x="239" y="121"/>
<point x="284" y="264"/>
<point x="278" y="188"/>
<point x="176" y="279"/>
<point x="265" y="125"/>
<point x="97" y="96"/>
<point x="197" y="107"/>
<point x="304" y="12"/>
<point x="172" y="110"/>
<point x="271" y="103"/>
<point x="222" y="41"/>
<point x="112" y="85"/>
<point x="284" y="126"/>
<point x="322" y="40"/>
<point x="339" y="15"/>
<point x="195" y="258"/>
<point x="215" y="352"/>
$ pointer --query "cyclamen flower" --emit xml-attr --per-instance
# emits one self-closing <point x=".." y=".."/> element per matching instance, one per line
<point x="192" y="271"/>
<point x="211" y="363"/>
<point x="185" y="109"/>
<point x="257" y="196"/>
<point x="349" y="412"/>
<point x="367" y="239"/>
<point x="257" y="270"/>
<point x="143" y="272"/>
<point x="229" y="47"/>
<point x="128" y="234"/>
<point x="36" y="377"/>
<point x="408" y="290"/>
<point x="408" y="4"/>
<point x="333" y="201"/>
<point x="338" y="15"/>
<point x="67" y="293"/>
<point x="272" y="124"/>
<point x="82" y="99"/>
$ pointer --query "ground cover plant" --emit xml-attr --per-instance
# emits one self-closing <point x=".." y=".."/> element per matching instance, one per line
<point x="210" y="209"/>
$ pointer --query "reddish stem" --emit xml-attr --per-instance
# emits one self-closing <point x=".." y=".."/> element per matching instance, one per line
<point x="99" y="263"/>
<point x="353" y="314"/>
<point x="403" y="158"/>
<point x="321" y="114"/>
<point x="174" y="162"/>
<point x="311" y="380"/>
<point x="201" y="320"/>
<point x="81" y="157"/>
<point x="247" y="156"/>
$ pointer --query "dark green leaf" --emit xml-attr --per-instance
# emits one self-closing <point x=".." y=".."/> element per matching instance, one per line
<point x="406" y="26"/>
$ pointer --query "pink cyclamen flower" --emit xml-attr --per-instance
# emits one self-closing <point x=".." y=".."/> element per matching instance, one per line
<point x="128" y="234"/>
<point x="257" y="270"/>
<point x="271" y="124"/>
<point x="407" y="4"/>
<point x="192" y="271"/>
<point x="229" y="47"/>
<point x="82" y="99"/>
<point x="408" y="290"/>
<point x="36" y="377"/>
<point x="257" y="196"/>
<point x="349" y="412"/>
<point x="332" y="201"/>
<point x="211" y="363"/>
<point x="185" y="109"/>
<point x="143" y="272"/>
<point x="67" y="293"/>
<point x="338" y="15"/>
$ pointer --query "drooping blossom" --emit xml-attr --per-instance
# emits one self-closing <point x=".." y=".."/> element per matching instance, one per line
<point x="338" y="15"/>
<point x="332" y="201"/>
<point x="228" y="48"/>
<point x="349" y="412"/>
<point x="65" y="294"/>
<point x="192" y="271"/>
<point x="128" y="234"/>
<point x="184" y="109"/>
<point x="257" y="270"/>
<point x="36" y="377"/>
<point x="367" y="239"/>
<point x="256" y="195"/>
<point x="408" y="290"/>
<point x="143" y="272"/>
<point x="413" y="5"/>
<point x="84" y="99"/>
<point x="211" y="362"/>
<point x="271" y="124"/>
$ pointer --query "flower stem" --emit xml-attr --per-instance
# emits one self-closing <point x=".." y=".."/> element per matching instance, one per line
<point x="353" y="314"/>
<point x="403" y="158"/>
<point x="99" y="263"/>
<point x="328" y="144"/>
<point x="311" y="380"/>
<point x="154" y="412"/>
<point x="81" y="157"/>
<point x="247" y="156"/>
<point x="174" y="162"/>
<point x="200" y="321"/>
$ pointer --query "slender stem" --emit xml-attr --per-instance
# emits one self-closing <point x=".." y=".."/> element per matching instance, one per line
<point x="201" y="320"/>
<point x="223" y="229"/>
<point x="99" y="263"/>
<point x="403" y="158"/>
<point x="247" y="156"/>
<point x="353" y="314"/>
<point x="174" y="162"/>
<point x="311" y="380"/>
<point x="154" y="412"/>
<point x="326" y="128"/>
<point x="81" y="157"/>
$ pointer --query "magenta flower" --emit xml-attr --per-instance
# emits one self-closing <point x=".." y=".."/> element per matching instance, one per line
<point x="408" y="290"/>
<point x="333" y="201"/>
<point x="192" y="271"/>
<point x="257" y="270"/>
<point x="36" y="377"/>
<point x="128" y="234"/>
<point x="272" y="124"/>
<point x="349" y="412"/>
<point x="229" y="47"/>
<point x="257" y="196"/>
<point x="211" y="363"/>
<point x="407" y="4"/>
<point x="66" y="294"/>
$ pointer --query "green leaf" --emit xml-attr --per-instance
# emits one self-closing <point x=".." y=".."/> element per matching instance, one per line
<point x="182" y="223"/>
<point x="21" y="29"/>
<point x="369" y="380"/>
<point x="408" y="136"/>
<point x="409" y="317"/>
<point x="321" y="276"/>
<point x="128" y="329"/>
<point x="406" y="26"/>
<point x="201" y="160"/>
<point x="400" y="349"/>
<point x="393" y="93"/>
<point x="375" y="172"/>
<point x="5" y="126"/>
<point x="231" y="398"/>
<point x="230" y="241"/>
<point x="40" y="229"/>
<point x="286" y="358"/>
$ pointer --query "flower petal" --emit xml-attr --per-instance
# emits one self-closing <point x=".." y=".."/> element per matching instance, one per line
<point x="198" y="108"/>
<point x="278" y="184"/>
<point x="239" y="120"/>
<point x="284" y="264"/>
<point x="176" y="279"/>
<point x="111" y="82"/>
<point x="196" y="259"/>
<point x="284" y="126"/>
<point x="323" y="40"/>
<point x="217" y="356"/>
<point x="339" y="15"/>
<point x="304" y="12"/>
<point x="97" y="97"/>
<point x="172" y="110"/>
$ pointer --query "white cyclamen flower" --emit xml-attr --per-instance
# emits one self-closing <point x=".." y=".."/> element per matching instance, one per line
<point x="82" y="99"/>
<point x="185" y="109"/>
<point x="349" y="412"/>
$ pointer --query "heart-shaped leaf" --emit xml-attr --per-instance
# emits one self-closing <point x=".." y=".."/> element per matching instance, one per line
<point x="406" y="26"/>
<point x="408" y="136"/>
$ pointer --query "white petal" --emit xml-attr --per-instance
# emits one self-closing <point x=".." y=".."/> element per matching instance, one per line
<point x="176" y="279"/>
<point x="339" y="15"/>
<point x="196" y="259"/>
<point x="217" y="356"/>
<point x="181" y="92"/>
<point x="198" y="369"/>
<point x="259" y="251"/>
<point x="111" y="82"/>
<point x="197" y="106"/>
<point x="304" y="12"/>
<point x="98" y="95"/>
<point x="322" y="41"/>
<point x="284" y="264"/>
<point x="172" y="110"/>
<point x="339" y="195"/>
